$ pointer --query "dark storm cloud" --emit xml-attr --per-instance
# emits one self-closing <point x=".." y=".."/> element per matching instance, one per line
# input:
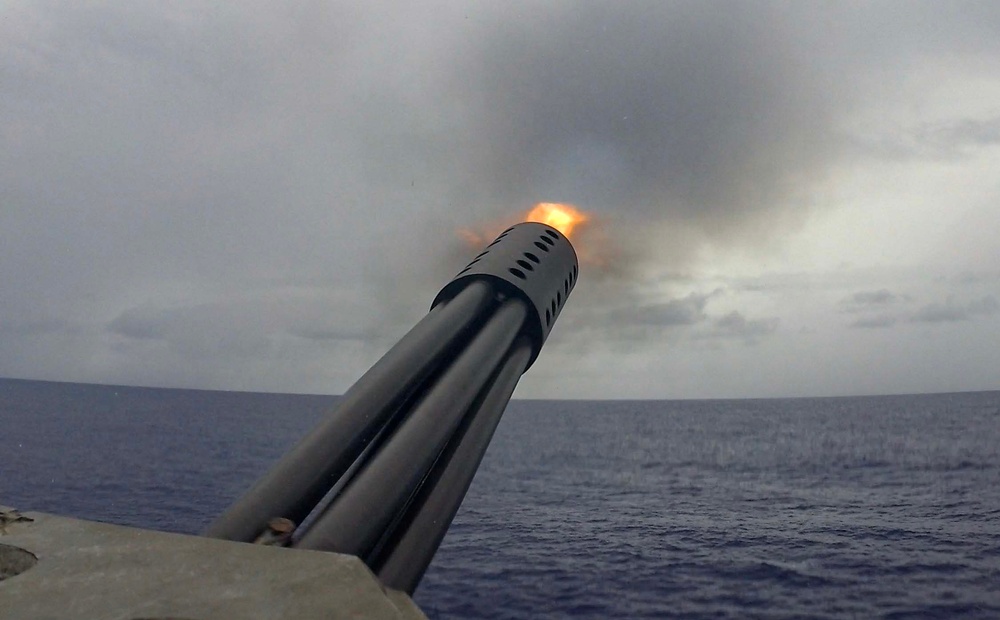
<point x="707" y="122"/>
<point x="139" y="324"/>
<point x="38" y="325"/>
<point x="699" y="114"/>
<point x="965" y="132"/>
<point x="942" y="140"/>
<point x="245" y="326"/>
<point x="952" y="311"/>
<point x="687" y="310"/>
<point x="196" y="332"/>
<point x="977" y="277"/>
<point x="986" y="306"/>
<point x="941" y="313"/>
<point x="880" y="321"/>
<point x="948" y="311"/>
<point x="873" y="298"/>
<point x="864" y="301"/>
<point x="335" y="335"/>
<point x="674" y="320"/>
<point x="735" y="325"/>
<point x="210" y="180"/>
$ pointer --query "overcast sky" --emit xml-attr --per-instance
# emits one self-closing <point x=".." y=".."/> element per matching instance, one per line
<point x="788" y="199"/>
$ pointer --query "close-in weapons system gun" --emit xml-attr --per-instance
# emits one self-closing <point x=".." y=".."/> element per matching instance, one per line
<point x="384" y="475"/>
<point x="380" y="479"/>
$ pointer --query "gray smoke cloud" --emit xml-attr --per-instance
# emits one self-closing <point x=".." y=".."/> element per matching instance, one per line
<point x="691" y="122"/>
<point x="694" y="113"/>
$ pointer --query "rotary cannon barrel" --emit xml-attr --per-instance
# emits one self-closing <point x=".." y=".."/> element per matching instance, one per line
<point x="383" y="476"/>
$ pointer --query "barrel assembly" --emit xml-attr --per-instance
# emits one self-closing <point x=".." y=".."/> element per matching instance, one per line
<point x="382" y="477"/>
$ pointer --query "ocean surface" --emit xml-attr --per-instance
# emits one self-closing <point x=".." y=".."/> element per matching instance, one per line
<point x="872" y="507"/>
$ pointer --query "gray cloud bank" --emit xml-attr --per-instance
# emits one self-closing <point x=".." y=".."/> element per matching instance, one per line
<point x="688" y="310"/>
<point x="875" y="322"/>
<point x="863" y="301"/>
<point x="162" y="167"/>
<point x="951" y="311"/>
<point x="631" y="321"/>
<point x="951" y="140"/>
<point x="948" y="311"/>
<point x="735" y="325"/>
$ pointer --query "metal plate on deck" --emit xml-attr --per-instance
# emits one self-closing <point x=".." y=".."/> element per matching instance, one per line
<point x="96" y="570"/>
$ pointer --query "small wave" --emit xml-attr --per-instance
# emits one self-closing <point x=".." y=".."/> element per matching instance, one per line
<point x="924" y="568"/>
<point x="953" y="466"/>
<point x="782" y="572"/>
<point x="956" y="610"/>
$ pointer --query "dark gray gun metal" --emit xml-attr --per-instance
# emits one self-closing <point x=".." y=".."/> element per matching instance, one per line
<point x="383" y="476"/>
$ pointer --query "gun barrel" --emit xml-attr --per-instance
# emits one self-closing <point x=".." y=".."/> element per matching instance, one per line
<point x="416" y="540"/>
<point x="383" y="476"/>
<point x="293" y="487"/>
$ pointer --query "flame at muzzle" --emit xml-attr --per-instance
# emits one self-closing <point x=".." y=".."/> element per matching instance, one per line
<point x="567" y="219"/>
<point x="563" y="217"/>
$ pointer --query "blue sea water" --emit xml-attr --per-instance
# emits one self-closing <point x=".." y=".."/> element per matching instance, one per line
<point x="869" y="507"/>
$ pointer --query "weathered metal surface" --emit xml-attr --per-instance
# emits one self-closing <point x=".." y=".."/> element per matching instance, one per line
<point x="383" y="476"/>
<point x="360" y="517"/>
<point x="293" y="487"/>
<point x="96" y="570"/>
<point x="423" y="527"/>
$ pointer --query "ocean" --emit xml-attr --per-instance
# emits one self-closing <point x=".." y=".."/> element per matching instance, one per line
<point x="866" y="507"/>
